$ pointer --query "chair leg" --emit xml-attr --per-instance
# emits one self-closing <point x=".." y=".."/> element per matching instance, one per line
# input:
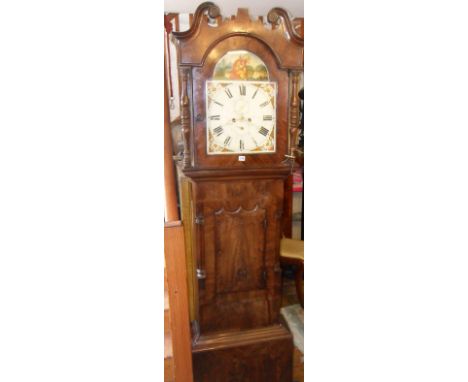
<point x="299" y="286"/>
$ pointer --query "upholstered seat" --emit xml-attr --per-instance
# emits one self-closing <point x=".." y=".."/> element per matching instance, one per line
<point x="292" y="248"/>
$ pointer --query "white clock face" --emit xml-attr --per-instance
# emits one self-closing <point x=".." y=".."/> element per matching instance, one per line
<point x="241" y="117"/>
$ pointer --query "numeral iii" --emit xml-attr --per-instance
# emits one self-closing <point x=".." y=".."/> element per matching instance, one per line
<point x="264" y="131"/>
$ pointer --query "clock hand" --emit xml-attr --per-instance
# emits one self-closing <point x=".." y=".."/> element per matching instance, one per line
<point x="253" y="139"/>
<point x="251" y="128"/>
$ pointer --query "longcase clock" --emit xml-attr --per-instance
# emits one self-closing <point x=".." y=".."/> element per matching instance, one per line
<point x="239" y="114"/>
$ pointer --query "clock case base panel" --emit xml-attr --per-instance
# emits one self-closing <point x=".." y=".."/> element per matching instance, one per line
<point x="256" y="355"/>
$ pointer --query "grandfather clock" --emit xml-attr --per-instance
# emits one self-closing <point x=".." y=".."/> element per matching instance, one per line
<point x="240" y="117"/>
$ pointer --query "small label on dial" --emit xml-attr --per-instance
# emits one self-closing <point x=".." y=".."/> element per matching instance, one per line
<point x="241" y="158"/>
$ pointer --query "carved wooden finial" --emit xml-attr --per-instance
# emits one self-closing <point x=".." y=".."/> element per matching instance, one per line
<point x="208" y="8"/>
<point x="276" y="15"/>
<point x="273" y="16"/>
<point x="213" y="11"/>
<point x="243" y="15"/>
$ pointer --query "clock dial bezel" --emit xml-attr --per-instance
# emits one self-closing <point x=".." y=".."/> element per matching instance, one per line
<point x="272" y="135"/>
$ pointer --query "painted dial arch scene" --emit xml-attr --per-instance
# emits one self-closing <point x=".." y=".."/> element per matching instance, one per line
<point x="240" y="117"/>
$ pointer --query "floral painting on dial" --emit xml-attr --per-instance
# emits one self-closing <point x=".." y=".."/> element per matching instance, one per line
<point x="240" y="65"/>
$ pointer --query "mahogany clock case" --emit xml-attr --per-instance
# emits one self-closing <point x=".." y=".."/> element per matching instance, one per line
<point x="237" y="205"/>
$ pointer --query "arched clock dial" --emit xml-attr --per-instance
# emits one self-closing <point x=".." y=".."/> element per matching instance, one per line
<point x="241" y="117"/>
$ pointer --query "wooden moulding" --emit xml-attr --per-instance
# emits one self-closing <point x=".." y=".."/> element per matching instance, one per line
<point x="196" y="43"/>
<point x="256" y="355"/>
<point x="241" y="173"/>
<point x="223" y="340"/>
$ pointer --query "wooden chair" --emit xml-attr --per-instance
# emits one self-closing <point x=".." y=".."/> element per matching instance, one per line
<point x="292" y="252"/>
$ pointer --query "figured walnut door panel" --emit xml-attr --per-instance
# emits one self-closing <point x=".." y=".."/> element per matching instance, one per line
<point x="239" y="253"/>
<point x="240" y="249"/>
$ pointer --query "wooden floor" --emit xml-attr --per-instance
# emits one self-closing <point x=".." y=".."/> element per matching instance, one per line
<point x="289" y="298"/>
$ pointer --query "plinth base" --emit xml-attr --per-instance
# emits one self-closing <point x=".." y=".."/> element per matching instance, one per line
<point x="255" y="355"/>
